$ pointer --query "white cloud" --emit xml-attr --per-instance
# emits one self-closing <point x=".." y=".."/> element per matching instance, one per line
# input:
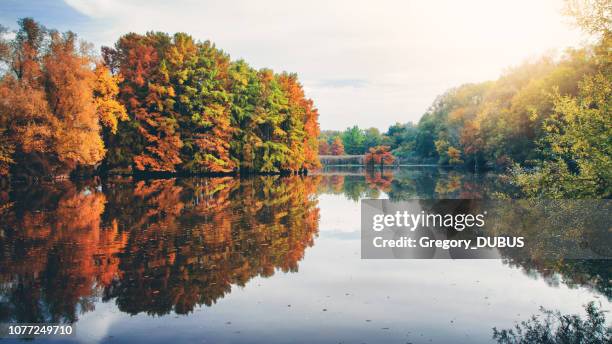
<point x="401" y="54"/>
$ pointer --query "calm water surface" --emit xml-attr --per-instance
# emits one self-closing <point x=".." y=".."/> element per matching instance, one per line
<point x="262" y="260"/>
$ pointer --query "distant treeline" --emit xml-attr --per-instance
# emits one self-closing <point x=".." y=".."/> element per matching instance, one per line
<point x="352" y="141"/>
<point x="151" y="103"/>
<point x="548" y="120"/>
<point x="512" y="119"/>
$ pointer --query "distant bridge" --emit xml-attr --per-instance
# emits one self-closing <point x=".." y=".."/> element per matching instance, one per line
<point x="342" y="159"/>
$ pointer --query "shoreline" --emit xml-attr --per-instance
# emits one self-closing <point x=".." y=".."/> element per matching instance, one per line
<point x="32" y="180"/>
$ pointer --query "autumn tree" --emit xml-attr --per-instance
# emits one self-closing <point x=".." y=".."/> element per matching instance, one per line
<point x="50" y="110"/>
<point x="7" y="146"/>
<point x="6" y="152"/>
<point x="593" y="16"/>
<point x="148" y="96"/>
<point x="324" y="148"/>
<point x="379" y="155"/>
<point x="472" y="141"/>
<point x="154" y="103"/>
<point x="337" y="148"/>
<point x="293" y="124"/>
<point x="199" y="72"/>
<point x="301" y="124"/>
<point x="276" y="125"/>
<point x="69" y="86"/>
<point x="245" y="88"/>
<point x="272" y="151"/>
<point x="27" y="124"/>
<point x="577" y="148"/>
<point x="106" y="91"/>
<point x="454" y="156"/>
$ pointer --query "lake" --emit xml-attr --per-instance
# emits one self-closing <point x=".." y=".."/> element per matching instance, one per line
<point x="261" y="260"/>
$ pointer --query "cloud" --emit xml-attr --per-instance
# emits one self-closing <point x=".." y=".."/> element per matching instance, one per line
<point x="101" y="8"/>
<point x="341" y="83"/>
<point x="364" y="62"/>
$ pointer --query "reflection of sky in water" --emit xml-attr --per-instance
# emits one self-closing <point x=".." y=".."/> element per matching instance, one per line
<point x="337" y="297"/>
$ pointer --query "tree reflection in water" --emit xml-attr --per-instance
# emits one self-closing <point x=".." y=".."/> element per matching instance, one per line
<point x="436" y="183"/>
<point x="152" y="246"/>
<point x="412" y="183"/>
<point x="169" y="245"/>
<point x="556" y="328"/>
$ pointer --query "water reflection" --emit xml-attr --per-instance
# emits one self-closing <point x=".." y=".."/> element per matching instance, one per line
<point x="54" y="253"/>
<point x="436" y="183"/>
<point x="154" y="247"/>
<point x="552" y="327"/>
<point x="558" y="232"/>
<point x="171" y="245"/>
<point x="414" y="182"/>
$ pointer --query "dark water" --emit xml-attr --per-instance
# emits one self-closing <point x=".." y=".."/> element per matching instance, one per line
<point x="261" y="260"/>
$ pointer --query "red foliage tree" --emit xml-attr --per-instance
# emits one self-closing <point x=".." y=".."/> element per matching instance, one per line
<point x="379" y="155"/>
<point x="324" y="148"/>
<point x="148" y="96"/>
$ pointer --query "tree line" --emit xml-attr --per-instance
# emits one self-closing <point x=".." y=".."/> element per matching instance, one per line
<point x="151" y="103"/>
<point x="352" y="141"/>
<point x="548" y="120"/>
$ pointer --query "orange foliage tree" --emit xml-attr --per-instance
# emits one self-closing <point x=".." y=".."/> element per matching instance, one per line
<point x="148" y="95"/>
<point x="379" y="155"/>
<point x="49" y="109"/>
<point x="157" y="103"/>
<point x="194" y="110"/>
<point x="337" y="147"/>
<point x="302" y="126"/>
<point x="69" y="87"/>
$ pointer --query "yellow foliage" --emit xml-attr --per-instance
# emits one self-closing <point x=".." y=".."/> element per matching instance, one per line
<point x="106" y="89"/>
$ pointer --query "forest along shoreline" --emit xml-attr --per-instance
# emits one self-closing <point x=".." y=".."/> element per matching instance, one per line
<point x="151" y="105"/>
<point x="156" y="105"/>
<point x="545" y="124"/>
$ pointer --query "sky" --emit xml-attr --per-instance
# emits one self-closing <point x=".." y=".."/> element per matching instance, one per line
<point x="369" y="63"/>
